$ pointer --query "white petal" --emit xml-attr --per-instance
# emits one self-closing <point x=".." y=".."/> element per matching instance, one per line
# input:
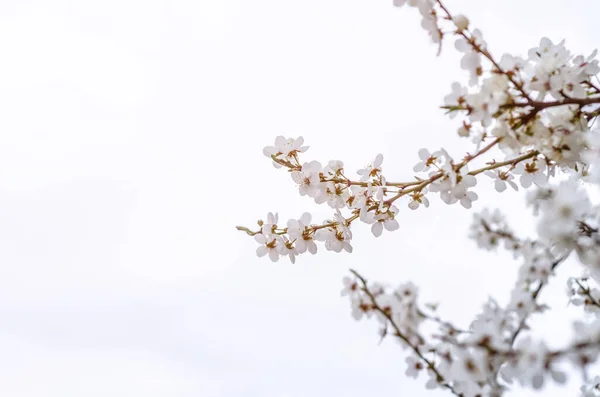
<point x="377" y="229"/>
<point x="391" y="225"/>
<point x="378" y="160"/>
<point x="500" y="185"/>
<point x="273" y="255"/>
<point x="465" y="202"/>
<point x="262" y="251"/>
<point x="424" y="154"/>
<point x="306" y="218"/>
<point x="280" y="141"/>
<point x="298" y="177"/>
<point x="269" y="150"/>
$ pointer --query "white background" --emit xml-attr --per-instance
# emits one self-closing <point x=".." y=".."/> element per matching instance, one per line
<point x="131" y="146"/>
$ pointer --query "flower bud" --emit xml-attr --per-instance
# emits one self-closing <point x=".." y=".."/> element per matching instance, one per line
<point x="463" y="131"/>
<point x="461" y="22"/>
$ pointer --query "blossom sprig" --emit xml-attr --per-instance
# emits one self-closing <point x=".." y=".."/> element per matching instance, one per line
<point x="398" y="310"/>
<point x="464" y="363"/>
<point x="370" y="199"/>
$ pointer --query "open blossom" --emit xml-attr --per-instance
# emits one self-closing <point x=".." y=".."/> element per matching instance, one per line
<point x="360" y="198"/>
<point x="285" y="148"/>
<point x="371" y="170"/>
<point x="309" y="179"/>
<point x="336" y="194"/>
<point x="562" y="210"/>
<point x="546" y="61"/>
<point x="470" y="366"/>
<point x="385" y="220"/>
<point x="418" y="198"/>
<point x="528" y="367"/>
<point x="333" y="168"/>
<point x="269" y="245"/>
<point x="286" y="248"/>
<point x="269" y="226"/>
<point x="334" y="240"/>
<point x="428" y="159"/>
<point x="342" y="224"/>
<point x="297" y="230"/>
<point x="471" y="60"/>
<point x="414" y="366"/>
<point x="501" y="180"/>
<point x="350" y="286"/>
<point x="456" y="97"/>
<point x="533" y="172"/>
<point x="455" y="188"/>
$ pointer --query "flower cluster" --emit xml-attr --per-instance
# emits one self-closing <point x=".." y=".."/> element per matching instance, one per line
<point x="531" y="121"/>
<point x="485" y="359"/>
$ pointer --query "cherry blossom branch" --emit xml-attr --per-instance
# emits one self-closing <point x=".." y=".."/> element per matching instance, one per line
<point x="512" y="354"/>
<point x="415" y="186"/>
<point x="440" y="174"/>
<point x="548" y="135"/>
<point x="399" y="334"/>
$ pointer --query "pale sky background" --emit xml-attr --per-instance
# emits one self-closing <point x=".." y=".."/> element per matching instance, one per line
<point x="131" y="145"/>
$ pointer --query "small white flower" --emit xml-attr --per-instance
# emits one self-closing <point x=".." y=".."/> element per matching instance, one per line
<point x="337" y="194"/>
<point x="334" y="240"/>
<point x="415" y="366"/>
<point x="287" y="248"/>
<point x="269" y="245"/>
<point x="333" y="168"/>
<point x="309" y="179"/>
<point x="287" y="148"/>
<point x="270" y="225"/>
<point x="385" y="220"/>
<point x="501" y="179"/>
<point x="531" y="173"/>
<point x="418" y="198"/>
<point x="427" y="160"/>
<point x="350" y="286"/>
<point x="342" y="224"/>
<point x="297" y="230"/>
<point x="371" y="170"/>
